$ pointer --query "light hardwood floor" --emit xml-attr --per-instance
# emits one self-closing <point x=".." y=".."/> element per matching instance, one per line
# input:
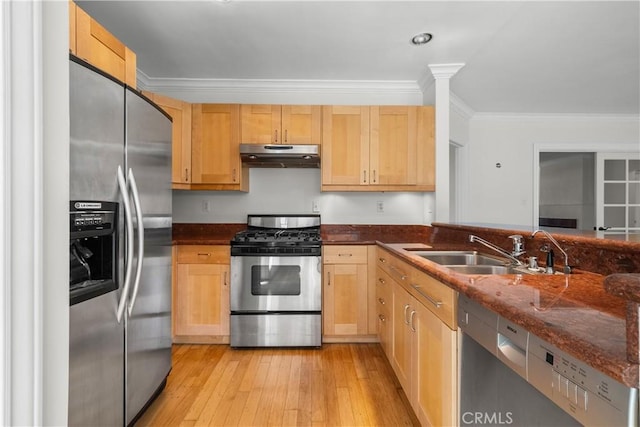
<point x="337" y="385"/>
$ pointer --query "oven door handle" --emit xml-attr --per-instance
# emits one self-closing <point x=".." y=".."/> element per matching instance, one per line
<point x="122" y="185"/>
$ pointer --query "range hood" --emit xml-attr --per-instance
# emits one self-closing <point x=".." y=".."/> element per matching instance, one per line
<point x="280" y="156"/>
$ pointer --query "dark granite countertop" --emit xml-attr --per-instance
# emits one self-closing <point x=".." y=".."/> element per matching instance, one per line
<point x="574" y="312"/>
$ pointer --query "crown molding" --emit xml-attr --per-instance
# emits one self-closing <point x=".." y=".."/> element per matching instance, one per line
<point x="444" y="71"/>
<point x="559" y="117"/>
<point x="276" y="85"/>
<point x="461" y="107"/>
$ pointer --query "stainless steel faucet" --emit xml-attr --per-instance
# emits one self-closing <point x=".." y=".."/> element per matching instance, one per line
<point x="567" y="268"/>
<point x="518" y="247"/>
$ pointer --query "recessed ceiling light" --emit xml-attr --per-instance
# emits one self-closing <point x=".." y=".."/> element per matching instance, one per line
<point x="421" y="38"/>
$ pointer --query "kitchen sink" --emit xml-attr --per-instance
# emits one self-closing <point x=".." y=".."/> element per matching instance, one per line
<point x="462" y="258"/>
<point x="487" y="269"/>
<point x="472" y="262"/>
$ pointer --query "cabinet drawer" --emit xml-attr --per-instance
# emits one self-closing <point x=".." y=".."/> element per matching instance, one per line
<point x="393" y="266"/>
<point x="203" y="254"/>
<point x="440" y="299"/>
<point x="346" y="254"/>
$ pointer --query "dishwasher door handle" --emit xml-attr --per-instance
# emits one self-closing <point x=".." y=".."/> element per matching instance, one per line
<point x="512" y="355"/>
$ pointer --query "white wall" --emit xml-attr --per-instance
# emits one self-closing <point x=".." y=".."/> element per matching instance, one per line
<point x="505" y="195"/>
<point x="294" y="190"/>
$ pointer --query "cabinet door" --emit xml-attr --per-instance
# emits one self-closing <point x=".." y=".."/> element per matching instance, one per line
<point x="434" y="393"/>
<point x="345" y="145"/>
<point x="99" y="47"/>
<point x="393" y="145"/>
<point x="260" y="124"/>
<point x="301" y="124"/>
<point x="345" y="299"/>
<point x="216" y="144"/>
<point x="202" y="299"/>
<point x="180" y="113"/>
<point x="402" y="336"/>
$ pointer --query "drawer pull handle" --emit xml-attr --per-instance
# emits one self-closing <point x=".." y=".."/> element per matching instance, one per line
<point x="381" y="301"/>
<point x="345" y="255"/>
<point x="406" y="307"/>
<point x="399" y="272"/>
<point x="411" y="324"/>
<point x="429" y="298"/>
<point x="225" y="279"/>
<point x="204" y="253"/>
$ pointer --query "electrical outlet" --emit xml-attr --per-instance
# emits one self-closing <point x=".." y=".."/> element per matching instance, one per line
<point x="206" y="206"/>
<point x="380" y="206"/>
<point x="315" y="206"/>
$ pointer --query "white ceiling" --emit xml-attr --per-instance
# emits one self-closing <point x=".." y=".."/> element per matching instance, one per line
<point x="520" y="56"/>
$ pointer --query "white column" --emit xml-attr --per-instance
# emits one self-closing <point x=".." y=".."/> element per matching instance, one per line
<point x="442" y="73"/>
<point x="34" y="295"/>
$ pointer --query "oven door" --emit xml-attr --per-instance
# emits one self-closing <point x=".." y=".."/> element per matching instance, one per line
<point x="275" y="283"/>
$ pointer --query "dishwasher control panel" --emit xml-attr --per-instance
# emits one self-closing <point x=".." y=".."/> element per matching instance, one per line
<point x="589" y="395"/>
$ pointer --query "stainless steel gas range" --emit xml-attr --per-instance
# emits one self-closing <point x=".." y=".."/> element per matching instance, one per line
<point x="276" y="290"/>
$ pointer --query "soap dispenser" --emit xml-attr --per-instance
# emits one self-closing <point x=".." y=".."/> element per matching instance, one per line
<point x="549" y="269"/>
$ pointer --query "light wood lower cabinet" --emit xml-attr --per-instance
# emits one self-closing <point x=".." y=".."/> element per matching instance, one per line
<point x="201" y="294"/>
<point x="422" y="348"/>
<point x="346" y="294"/>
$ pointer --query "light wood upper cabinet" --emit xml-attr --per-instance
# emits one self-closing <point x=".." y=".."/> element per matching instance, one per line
<point x="215" y="148"/>
<point x="201" y="294"/>
<point x="180" y="113"/>
<point x="345" y="146"/>
<point x="94" y="44"/>
<point x="378" y="148"/>
<point x="280" y="124"/>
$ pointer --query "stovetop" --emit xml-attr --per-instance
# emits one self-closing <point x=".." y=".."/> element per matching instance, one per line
<point x="279" y="234"/>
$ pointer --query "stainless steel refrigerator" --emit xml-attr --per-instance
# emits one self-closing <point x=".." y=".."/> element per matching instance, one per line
<point x="120" y="341"/>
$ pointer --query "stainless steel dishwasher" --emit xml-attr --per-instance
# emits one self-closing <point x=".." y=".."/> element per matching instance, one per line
<point x="509" y="376"/>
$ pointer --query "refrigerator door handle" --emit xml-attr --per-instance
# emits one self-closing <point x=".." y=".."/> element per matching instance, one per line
<point x="129" y="233"/>
<point x="136" y="202"/>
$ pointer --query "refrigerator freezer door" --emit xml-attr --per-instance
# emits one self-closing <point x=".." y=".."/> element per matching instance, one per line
<point x="148" y="342"/>
<point x="97" y="135"/>
<point x="96" y="347"/>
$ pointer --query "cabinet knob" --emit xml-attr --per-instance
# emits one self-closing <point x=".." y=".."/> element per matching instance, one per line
<point x="382" y="318"/>
<point x="381" y="301"/>
<point x="381" y="280"/>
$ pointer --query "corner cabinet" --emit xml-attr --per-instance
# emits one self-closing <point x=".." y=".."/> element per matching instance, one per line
<point x="347" y="294"/>
<point x="215" y="148"/>
<point x="201" y="294"/>
<point x="280" y="124"/>
<point x="180" y="112"/>
<point x="378" y="148"/>
<point x="90" y="41"/>
<point x="423" y="342"/>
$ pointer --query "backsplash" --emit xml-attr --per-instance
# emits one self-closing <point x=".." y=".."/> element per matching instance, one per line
<point x="295" y="191"/>
<point x="602" y="256"/>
